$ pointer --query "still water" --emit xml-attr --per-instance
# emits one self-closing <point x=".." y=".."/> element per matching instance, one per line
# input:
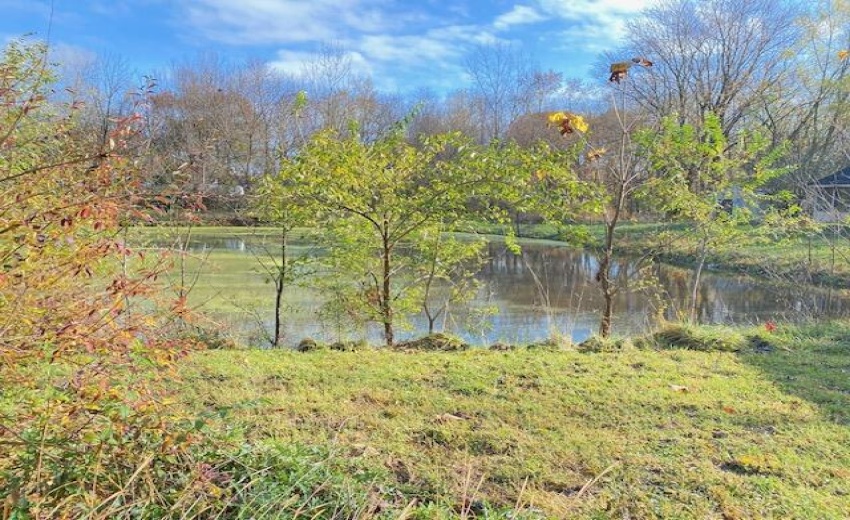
<point x="548" y="289"/>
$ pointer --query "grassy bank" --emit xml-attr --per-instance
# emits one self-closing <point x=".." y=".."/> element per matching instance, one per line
<point x="657" y="432"/>
<point x="822" y="259"/>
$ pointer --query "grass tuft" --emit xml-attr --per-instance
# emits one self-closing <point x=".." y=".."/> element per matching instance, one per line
<point x="600" y="344"/>
<point x="438" y="342"/>
<point x="310" y="345"/>
<point x="701" y="338"/>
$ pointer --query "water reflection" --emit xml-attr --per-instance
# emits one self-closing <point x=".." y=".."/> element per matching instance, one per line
<point x="550" y="289"/>
<point x="559" y="281"/>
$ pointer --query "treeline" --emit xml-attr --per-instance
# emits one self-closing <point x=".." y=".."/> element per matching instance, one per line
<point x="215" y="127"/>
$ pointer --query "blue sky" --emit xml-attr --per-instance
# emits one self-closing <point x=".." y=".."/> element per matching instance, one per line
<point x="401" y="44"/>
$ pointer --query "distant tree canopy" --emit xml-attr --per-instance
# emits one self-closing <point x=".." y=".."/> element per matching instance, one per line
<point x="215" y="127"/>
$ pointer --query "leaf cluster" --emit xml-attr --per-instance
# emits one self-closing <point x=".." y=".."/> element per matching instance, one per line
<point x="80" y="312"/>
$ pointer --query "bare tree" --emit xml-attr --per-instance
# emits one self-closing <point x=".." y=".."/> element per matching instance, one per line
<point x="542" y="87"/>
<point x="812" y="109"/>
<point x="718" y="56"/>
<point x="103" y="85"/>
<point x="501" y="81"/>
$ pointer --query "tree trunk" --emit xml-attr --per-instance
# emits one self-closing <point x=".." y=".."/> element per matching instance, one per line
<point x="429" y="281"/>
<point x="604" y="274"/>
<point x="386" y="294"/>
<point x="278" y="297"/>
<point x="604" y="277"/>
<point x="695" y="288"/>
<point x="517" y="223"/>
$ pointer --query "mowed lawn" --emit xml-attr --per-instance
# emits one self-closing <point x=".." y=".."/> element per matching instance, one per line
<point x="536" y="433"/>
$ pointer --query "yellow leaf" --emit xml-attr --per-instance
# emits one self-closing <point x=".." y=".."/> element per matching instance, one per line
<point x="214" y="490"/>
<point x="579" y="123"/>
<point x="557" y="117"/>
<point x="843" y="54"/>
<point x="568" y="122"/>
<point x="595" y="154"/>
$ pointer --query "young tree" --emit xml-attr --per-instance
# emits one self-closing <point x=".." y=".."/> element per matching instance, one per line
<point x="280" y="201"/>
<point x="719" y="208"/>
<point x="612" y="166"/>
<point x="384" y="192"/>
<point x="446" y="267"/>
<point x="381" y="195"/>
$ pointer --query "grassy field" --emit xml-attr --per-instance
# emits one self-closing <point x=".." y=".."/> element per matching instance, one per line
<point x="653" y="432"/>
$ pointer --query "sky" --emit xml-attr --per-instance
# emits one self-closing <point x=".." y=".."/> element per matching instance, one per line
<point x="402" y="45"/>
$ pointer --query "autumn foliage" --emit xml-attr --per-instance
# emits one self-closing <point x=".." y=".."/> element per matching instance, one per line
<point x="81" y="419"/>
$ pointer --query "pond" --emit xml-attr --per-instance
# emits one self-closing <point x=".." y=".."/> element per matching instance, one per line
<point x="549" y="289"/>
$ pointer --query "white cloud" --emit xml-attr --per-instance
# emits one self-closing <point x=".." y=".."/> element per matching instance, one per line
<point x="519" y="15"/>
<point x="394" y="38"/>
<point x="593" y="8"/>
<point x="602" y="17"/>
<point x="293" y="63"/>
<point x="297" y="63"/>
<point x="258" y="22"/>
<point x="406" y="49"/>
<point x="72" y="57"/>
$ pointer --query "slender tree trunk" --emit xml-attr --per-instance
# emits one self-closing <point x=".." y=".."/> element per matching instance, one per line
<point x="386" y="296"/>
<point x="125" y="271"/>
<point x="697" y="278"/>
<point x="429" y="282"/>
<point x="516" y="223"/>
<point x="604" y="278"/>
<point x="604" y="274"/>
<point x="607" y="293"/>
<point x="278" y="297"/>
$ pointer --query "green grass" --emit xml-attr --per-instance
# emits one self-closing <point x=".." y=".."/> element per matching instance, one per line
<point x="637" y="433"/>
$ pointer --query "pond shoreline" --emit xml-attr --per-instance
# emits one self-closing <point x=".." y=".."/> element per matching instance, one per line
<point x="636" y="240"/>
<point x="547" y="292"/>
<point x="640" y="240"/>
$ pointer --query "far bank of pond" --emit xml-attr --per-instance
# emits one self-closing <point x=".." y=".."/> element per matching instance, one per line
<point x="547" y="290"/>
